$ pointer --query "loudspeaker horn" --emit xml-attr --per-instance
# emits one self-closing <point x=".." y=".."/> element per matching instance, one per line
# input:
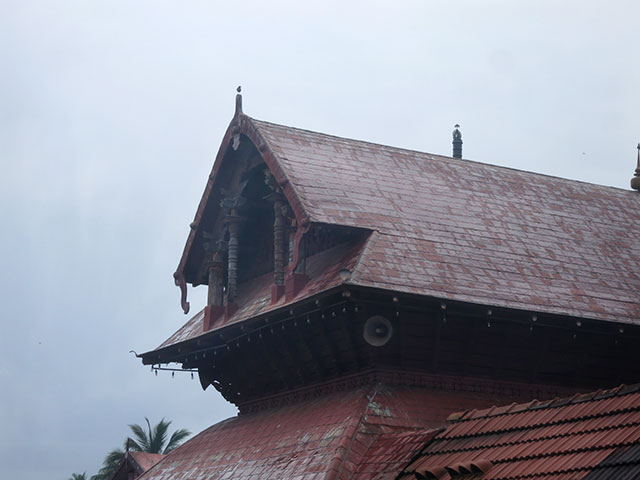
<point x="377" y="331"/>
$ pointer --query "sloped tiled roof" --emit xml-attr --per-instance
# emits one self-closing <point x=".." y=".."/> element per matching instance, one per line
<point x="593" y="436"/>
<point x="363" y="433"/>
<point x="468" y="231"/>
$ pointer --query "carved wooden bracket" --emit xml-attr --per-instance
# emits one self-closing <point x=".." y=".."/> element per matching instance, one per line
<point x="300" y="231"/>
<point x="180" y="282"/>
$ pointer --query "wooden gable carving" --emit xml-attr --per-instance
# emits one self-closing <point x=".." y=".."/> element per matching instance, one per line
<point x="249" y="222"/>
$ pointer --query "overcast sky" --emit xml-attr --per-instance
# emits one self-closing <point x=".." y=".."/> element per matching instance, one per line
<point x="111" y="113"/>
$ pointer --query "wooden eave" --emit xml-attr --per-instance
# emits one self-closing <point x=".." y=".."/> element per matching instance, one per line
<point x="320" y="338"/>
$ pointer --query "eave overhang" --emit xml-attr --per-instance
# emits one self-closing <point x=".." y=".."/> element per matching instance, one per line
<point x="321" y="337"/>
<point x="279" y="314"/>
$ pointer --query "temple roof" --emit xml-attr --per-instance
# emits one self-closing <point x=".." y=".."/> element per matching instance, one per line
<point x="440" y="230"/>
<point x="592" y="436"/>
<point x="463" y="230"/>
<point x="378" y="432"/>
<point x="457" y="229"/>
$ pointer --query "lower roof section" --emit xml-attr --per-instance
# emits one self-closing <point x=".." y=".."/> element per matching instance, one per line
<point x="364" y="432"/>
<point x="383" y="432"/>
<point x="590" y="436"/>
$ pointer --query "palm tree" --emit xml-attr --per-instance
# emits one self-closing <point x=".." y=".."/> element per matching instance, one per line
<point x="154" y="440"/>
<point x="78" y="476"/>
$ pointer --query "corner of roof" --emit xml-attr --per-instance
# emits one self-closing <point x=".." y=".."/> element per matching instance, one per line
<point x="364" y="252"/>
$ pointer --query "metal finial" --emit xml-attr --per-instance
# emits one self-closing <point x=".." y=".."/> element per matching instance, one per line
<point x="635" y="181"/>
<point x="457" y="142"/>
<point x="238" y="101"/>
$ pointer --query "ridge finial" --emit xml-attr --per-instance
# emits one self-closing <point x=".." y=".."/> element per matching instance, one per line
<point x="457" y="142"/>
<point x="239" y="100"/>
<point x="635" y="181"/>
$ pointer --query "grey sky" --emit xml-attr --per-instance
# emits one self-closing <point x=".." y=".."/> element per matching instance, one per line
<point x="111" y="113"/>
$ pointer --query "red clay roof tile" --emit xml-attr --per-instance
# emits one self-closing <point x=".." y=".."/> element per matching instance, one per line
<point x="585" y="436"/>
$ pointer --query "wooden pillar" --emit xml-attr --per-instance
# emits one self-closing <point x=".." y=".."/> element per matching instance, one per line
<point x="279" y="231"/>
<point x="216" y="271"/>
<point x="233" y="223"/>
<point x="302" y="258"/>
<point x="296" y="278"/>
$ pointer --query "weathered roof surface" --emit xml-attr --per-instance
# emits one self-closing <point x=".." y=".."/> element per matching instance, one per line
<point x="468" y="231"/>
<point x="593" y="436"/>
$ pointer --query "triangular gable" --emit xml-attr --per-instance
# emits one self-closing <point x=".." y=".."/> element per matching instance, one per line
<point x="241" y="129"/>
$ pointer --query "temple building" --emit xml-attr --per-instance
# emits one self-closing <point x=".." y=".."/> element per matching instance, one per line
<point x="381" y="313"/>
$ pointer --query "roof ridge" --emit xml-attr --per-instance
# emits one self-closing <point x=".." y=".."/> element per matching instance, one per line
<point x="344" y="451"/>
<point x="462" y="161"/>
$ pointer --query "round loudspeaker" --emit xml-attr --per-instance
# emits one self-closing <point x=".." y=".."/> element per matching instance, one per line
<point x="377" y="331"/>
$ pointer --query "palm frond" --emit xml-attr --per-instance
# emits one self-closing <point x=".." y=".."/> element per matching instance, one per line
<point x="159" y="436"/>
<point x="109" y="465"/>
<point x="154" y="440"/>
<point x="141" y="437"/>
<point x="114" y="457"/>
<point x="176" y="439"/>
